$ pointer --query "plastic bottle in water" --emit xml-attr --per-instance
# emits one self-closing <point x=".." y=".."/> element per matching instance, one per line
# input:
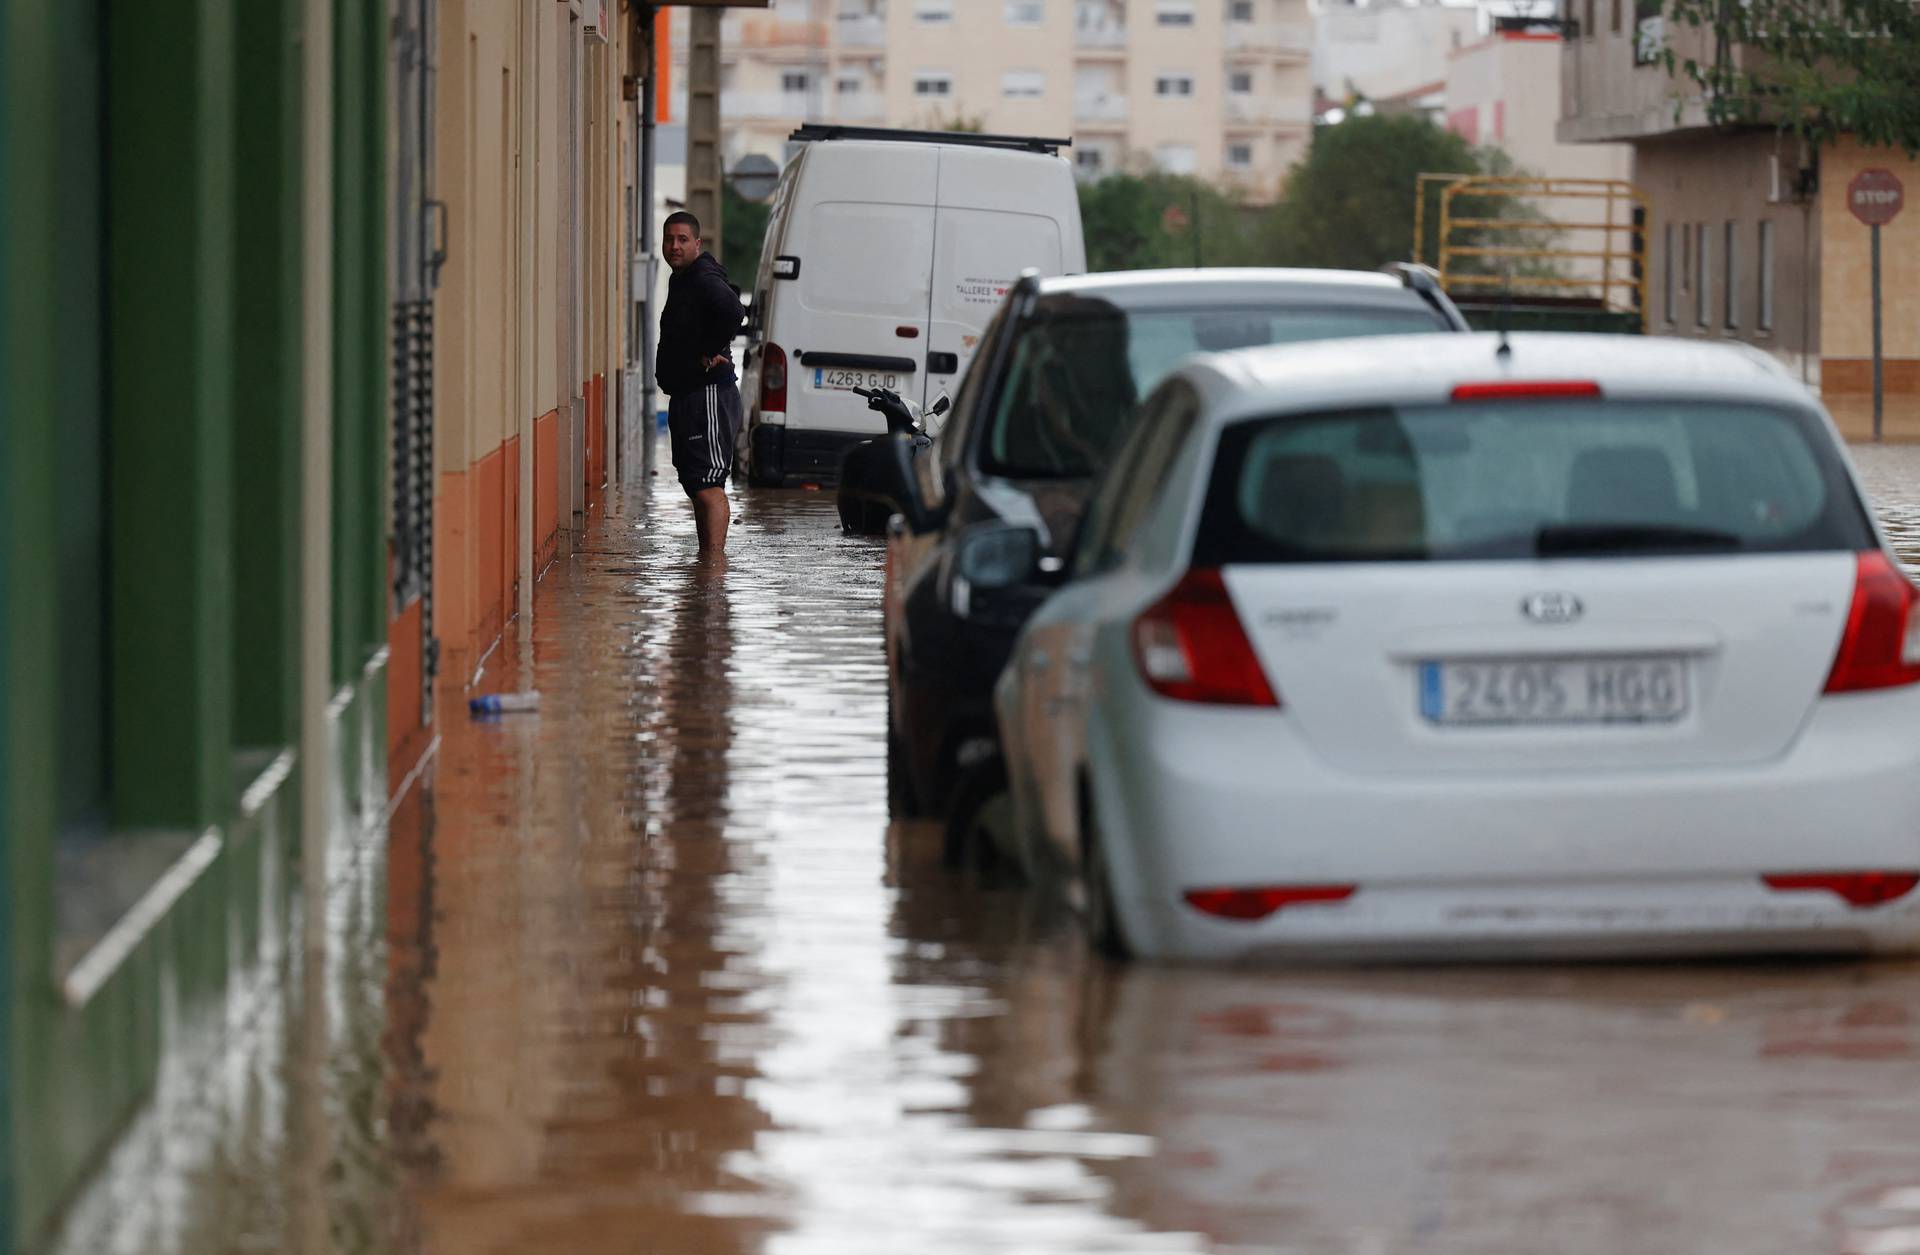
<point x="504" y="703"/>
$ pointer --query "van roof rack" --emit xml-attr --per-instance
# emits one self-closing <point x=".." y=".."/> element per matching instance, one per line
<point x="1027" y="143"/>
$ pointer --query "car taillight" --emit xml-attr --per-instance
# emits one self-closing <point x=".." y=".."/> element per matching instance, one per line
<point x="1881" y="645"/>
<point x="1858" y="889"/>
<point x="1189" y="645"/>
<point x="773" y="378"/>
<point x="1262" y="902"/>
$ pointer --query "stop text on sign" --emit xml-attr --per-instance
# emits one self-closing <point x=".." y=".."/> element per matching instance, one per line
<point x="1875" y="196"/>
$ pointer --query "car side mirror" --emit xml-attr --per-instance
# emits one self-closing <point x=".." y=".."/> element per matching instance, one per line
<point x="899" y="482"/>
<point x="998" y="555"/>
<point x="992" y="558"/>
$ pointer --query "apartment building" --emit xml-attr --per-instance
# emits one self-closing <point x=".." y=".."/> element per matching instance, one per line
<point x="1750" y="237"/>
<point x="1217" y="88"/>
<point x="1393" y="55"/>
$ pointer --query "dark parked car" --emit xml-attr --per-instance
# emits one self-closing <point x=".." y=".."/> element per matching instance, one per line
<point x="1054" y="386"/>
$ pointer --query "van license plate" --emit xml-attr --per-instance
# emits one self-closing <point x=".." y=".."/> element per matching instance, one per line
<point x="834" y="379"/>
<point x="1638" y="689"/>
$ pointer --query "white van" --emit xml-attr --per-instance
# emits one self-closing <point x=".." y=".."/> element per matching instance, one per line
<point x="886" y="254"/>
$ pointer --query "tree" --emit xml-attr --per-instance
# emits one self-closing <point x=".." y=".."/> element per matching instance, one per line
<point x="1152" y="219"/>
<point x="1817" y="69"/>
<point x="1349" y="204"/>
<point x="743" y="229"/>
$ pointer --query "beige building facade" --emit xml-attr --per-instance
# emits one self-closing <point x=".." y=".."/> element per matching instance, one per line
<point x="533" y="163"/>
<point x="1750" y="236"/>
<point x="1217" y="88"/>
<point x="1502" y="90"/>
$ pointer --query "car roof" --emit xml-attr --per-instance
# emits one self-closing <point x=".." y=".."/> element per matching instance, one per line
<point x="1135" y="288"/>
<point x="1424" y="369"/>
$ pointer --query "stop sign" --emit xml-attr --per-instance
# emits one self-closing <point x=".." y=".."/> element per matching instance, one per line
<point x="1875" y="197"/>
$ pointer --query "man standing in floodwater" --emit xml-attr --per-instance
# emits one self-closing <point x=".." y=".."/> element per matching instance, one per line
<point x="694" y="367"/>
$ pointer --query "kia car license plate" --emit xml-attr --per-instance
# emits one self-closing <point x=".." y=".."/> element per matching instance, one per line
<point x="1639" y="689"/>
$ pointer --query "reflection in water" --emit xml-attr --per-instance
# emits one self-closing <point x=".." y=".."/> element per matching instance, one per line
<point x="651" y="972"/>
<point x="265" y="1129"/>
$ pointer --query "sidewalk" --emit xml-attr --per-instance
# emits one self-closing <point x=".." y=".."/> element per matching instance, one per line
<point x="1853" y="412"/>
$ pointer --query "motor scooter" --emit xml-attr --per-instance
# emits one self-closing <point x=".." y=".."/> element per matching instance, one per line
<point x="864" y="506"/>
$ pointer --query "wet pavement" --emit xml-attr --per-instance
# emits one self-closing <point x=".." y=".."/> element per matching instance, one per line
<point x="650" y="971"/>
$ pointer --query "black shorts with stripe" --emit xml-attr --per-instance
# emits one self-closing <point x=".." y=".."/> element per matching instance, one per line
<point x="703" y="425"/>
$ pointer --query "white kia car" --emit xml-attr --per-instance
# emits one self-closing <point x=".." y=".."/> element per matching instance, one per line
<point x="1447" y="645"/>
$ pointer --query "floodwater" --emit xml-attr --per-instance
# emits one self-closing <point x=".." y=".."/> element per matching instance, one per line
<point x="649" y="971"/>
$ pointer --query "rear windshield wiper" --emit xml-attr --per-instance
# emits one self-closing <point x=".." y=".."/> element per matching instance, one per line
<point x="1558" y="538"/>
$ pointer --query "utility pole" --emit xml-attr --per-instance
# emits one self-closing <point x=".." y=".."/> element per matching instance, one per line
<point x="703" y="125"/>
<point x="703" y="167"/>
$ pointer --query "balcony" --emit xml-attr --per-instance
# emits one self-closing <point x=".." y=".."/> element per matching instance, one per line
<point x="860" y="33"/>
<point x="770" y="39"/>
<point x="1096" y="111"/>
<point x="1276" y="40"/>
<point x="766" y="106"/>
<point x="1100" y="39"/>
<point x="863" y="107"/>
<point x="1259" y="113"/>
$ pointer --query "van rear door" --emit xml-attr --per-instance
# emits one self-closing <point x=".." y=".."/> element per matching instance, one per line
<point x="1000" y="213"/>
<point x="865" y="242"/>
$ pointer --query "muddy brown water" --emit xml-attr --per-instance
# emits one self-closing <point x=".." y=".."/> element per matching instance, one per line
<point x="651" y="972"/>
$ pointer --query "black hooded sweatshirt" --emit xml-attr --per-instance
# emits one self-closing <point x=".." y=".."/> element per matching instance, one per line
<point x="700" y="320"/>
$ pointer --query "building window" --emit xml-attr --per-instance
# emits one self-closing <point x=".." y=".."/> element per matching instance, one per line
<point x="1587" y="26"/>
<point x="1702" y="305"/>
<point x="795" y="81"/>
<point x="1023" y="84"/>
<point x="928" y="83"/>
<point x="1670" y="275"/>
<point x="1686" y="259"/>
<point x="1730" y="297"/>
<point x="1091" y="161"/>
<point x="1173" y="12"/>
<point x="1239" y="156"/>
<point x="1766" y="276"/>
<point x="847" y="86"/>
<point x="1649" y="32"/>
<point x="1176" y="158"/>
<point x="1617" y="4"/>
<point x="1240" y="11"/>
<point x="1240" y="83"/>
<point x="1026" y="12"/>
<point x="938" y="12"/>
<point x="1173" y="85"/>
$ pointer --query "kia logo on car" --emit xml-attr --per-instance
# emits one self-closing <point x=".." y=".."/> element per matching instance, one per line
<point x="1551" y="607"/>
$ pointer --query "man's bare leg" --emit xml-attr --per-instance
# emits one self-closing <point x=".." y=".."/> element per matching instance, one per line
<point x="710" y="508"/>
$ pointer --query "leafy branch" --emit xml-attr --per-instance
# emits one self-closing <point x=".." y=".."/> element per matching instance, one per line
<point x="1816" y="69"/>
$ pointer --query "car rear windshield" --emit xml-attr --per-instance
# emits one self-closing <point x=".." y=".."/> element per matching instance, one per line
<point x="1078" y="374"/>
<point x="1527" y="479"/>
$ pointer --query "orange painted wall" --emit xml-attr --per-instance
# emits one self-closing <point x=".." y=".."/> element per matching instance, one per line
<point x="546" y="485"/>
<point x="453" y="577"/>
<point x="490" y="538"/>
<point x="476" y="524"/>
<point x="510" y="522"/>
